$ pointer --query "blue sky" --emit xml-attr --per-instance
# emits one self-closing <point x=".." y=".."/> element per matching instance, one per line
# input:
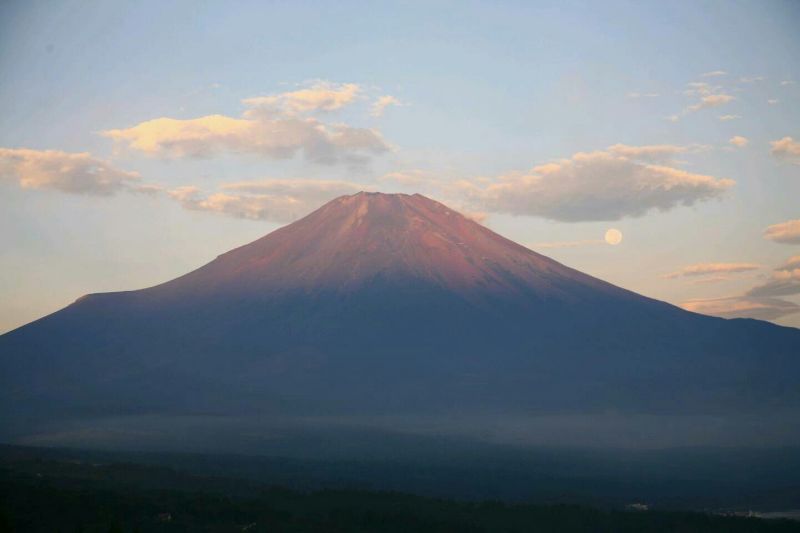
<point x="505" y="110"/>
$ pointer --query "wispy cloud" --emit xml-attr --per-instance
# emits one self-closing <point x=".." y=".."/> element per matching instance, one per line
<point x="712" y="100"/>
<point x="763" y="301"/>
<point x="701" y="88"/>
<point x="782" y="283"/>
<point x="793" y="263"/>
<point x="654" y="152"/>
<point x="704" y="269"/>
<point x="742" y="307"/>
<point x="320" y="96"/>
<point x="621" y="181"/>
<point x="710" y="279"/>
<point x="729" y="117"/>
<point x="380" y="105"/>
<point x="714" y="74"/>
<point x="69" y="172"/>
<point x="276" y="200"/>
<point x="707" y="96"/>
<point x="785" y="232"/>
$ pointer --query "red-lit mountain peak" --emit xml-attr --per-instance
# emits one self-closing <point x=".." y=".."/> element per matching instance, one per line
<point x="353" y="240"/>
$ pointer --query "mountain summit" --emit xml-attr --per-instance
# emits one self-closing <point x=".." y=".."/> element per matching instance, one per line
<point x="354" y="241"/>
<point x="386" y="304"/>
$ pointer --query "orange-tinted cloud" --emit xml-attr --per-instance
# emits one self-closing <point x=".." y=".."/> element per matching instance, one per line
<point x="275" y="126"/>
<point x="743" y="307"/>
<point x="380" y="105"/>
<point x="704" y="269"/>
<point x="276" y="200"/>
<point x="786" y="148"/>
<point x="711" y="100"/>
<point x="595" y="186"/>
<point x="70" y="172"/>
<point x="320" y="96"/>
<point x="785" y="232"/>
<point x="739" y="141"/>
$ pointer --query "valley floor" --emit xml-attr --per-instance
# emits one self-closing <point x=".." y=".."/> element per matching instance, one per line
<point x="40" y="492"/>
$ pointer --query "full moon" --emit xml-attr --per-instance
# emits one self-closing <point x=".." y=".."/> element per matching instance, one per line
<point x="613" y="236"/>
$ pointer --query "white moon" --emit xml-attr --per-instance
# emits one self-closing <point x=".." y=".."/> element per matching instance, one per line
<point x="613" y="236"/>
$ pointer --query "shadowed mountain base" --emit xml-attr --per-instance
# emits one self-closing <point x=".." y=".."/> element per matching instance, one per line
<point x="394" y="312"/>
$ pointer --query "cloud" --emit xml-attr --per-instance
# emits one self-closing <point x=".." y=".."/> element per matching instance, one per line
<point x="272" y="127"/>
<point x="786" y="83"/>
<point x="793" y="263"/>
<point x="742" y="307"/>
<point x="773" y="101"/>
<point x="310" y="190"/>
<point x="711" y="100"/>
<point x="739" y="141"/>
<point x="786" y="148"/>
<point x="653" y="152"/>
<point x="782" y="283"/>
<point x="476" y="216"/>
<point x="276" y="200"/>
<point x="700" y="88"/>
<point x="149" y="189"/>
<point x="713" y="74"/>
<point x="708" y="96"/>
<point x="761" y="301"/>
<point x="709" y="280"/>
<point x="785" y="232"/>
<point x="752" y="79"/>
<point x="382" y="103"/>
<point x="320" y="96"/>
<point x="69" y="172"/>
<point x="436" y="186"/>
<point x="729" y="117"/>
<point x="596" y="186"/>
<point x="703" y="269"/>
<point x="276" y="138"/>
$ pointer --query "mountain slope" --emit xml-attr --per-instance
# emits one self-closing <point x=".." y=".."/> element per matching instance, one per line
<point x="350" y="241"/>
<point x="381" y="304"/>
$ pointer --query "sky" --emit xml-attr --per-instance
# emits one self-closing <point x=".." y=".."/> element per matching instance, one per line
<point x="139" y="140"/>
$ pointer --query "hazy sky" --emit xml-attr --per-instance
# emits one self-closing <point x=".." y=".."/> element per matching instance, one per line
<point x="138" y="141"/>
